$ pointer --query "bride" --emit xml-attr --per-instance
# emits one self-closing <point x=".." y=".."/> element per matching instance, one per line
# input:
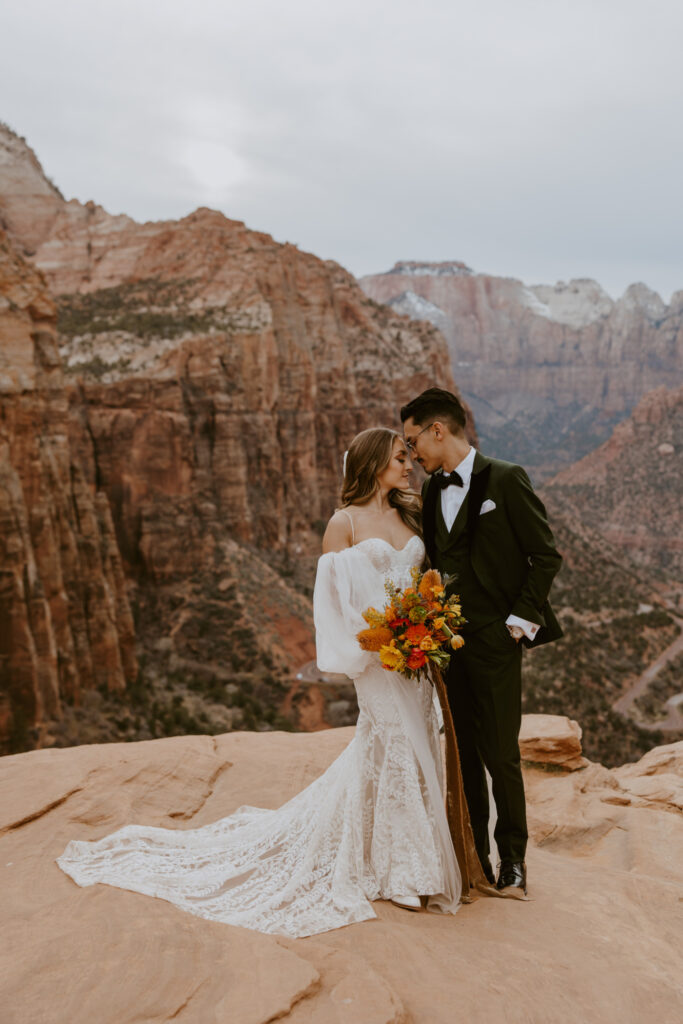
<point x="374" y="825"/>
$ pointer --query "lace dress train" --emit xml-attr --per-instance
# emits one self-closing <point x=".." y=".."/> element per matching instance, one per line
<point x="372" y="826"/>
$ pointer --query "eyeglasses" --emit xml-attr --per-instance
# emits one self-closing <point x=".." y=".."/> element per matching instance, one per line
<point x="410" y="445"/>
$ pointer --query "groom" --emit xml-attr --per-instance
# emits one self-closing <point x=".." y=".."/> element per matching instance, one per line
<point x="484" y="524"/>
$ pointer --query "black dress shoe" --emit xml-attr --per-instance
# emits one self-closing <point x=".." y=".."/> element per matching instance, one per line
<point x="512" y="876"/>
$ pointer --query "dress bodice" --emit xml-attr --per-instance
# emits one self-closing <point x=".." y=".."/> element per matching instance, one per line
<point x="393" y="563"/>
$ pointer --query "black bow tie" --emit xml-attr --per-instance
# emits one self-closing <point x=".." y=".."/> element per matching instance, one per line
<point x="449" y="479"/>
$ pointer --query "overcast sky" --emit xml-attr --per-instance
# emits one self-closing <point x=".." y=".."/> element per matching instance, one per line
<point x="530" y="138"/>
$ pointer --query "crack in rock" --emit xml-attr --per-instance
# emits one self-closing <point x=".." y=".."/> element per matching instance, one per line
<point x="42" y="811"/>
<point x="211" y="785"/>
<point x="187" y="1001"/>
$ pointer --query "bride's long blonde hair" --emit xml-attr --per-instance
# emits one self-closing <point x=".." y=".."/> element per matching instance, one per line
<point x="369" y="455"/>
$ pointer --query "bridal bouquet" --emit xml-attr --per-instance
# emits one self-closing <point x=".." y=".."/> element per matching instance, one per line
<point x="418" y="625"/>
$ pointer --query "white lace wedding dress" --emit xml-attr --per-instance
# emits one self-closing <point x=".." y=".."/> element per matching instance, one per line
<point x="371" y="827"/>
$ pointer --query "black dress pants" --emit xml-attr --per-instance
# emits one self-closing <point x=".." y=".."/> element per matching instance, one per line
<point x="484" y="683"/>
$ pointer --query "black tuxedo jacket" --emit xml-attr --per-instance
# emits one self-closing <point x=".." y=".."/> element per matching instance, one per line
<point x="512" y="548"/>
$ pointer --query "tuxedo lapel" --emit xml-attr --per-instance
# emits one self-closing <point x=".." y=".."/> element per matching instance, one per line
<point x="429" y="518"/>
<point x="481" y="471"/>
<point x="458" y="523"/>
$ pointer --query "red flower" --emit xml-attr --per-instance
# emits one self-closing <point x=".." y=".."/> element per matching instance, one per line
<point x="416" y="659"/>
<point x="397" y="623"/>
<point x="416" y="633"/>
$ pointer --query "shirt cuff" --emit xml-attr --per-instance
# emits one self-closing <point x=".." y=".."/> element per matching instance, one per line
<point x="530" y="628"/>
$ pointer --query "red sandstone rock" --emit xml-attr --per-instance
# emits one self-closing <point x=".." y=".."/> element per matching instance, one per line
<point x="66" y="623"/>
<point x="217" y="369"/>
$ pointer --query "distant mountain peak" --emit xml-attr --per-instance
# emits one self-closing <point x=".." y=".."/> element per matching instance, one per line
<point x="29" y="201"/>
<point x="420" y="268"/>
<point x="21" y="172"/>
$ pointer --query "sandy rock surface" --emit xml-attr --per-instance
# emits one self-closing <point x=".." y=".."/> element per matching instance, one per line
<point x="551" y="739"/>
<point x="599" y="941"/>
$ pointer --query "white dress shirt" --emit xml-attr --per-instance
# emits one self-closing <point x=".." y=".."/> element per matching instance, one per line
<point x="452" y="499"/>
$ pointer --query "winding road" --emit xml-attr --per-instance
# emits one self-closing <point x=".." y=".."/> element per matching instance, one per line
<point x="674" y="719"/>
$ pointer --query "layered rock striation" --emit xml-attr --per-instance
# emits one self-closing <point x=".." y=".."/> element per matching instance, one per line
<point x="212" y="368"/>
<point x="547" y="369"/>
<point x="65" y="620"/>
<point x="223" y="369"/>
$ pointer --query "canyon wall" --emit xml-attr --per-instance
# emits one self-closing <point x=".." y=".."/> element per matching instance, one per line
<point x="65" y="620"/>
<point x="213" y="380"/>
<point x="214" y="371"/>
<point x="548" y="369"/>
<point x="631" y="487"/>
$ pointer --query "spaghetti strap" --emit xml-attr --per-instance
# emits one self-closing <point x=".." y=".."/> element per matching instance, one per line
<point x="353" y="532"/>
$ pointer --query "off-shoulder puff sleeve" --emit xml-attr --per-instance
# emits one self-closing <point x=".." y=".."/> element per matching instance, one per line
<point x="345" y="585"/>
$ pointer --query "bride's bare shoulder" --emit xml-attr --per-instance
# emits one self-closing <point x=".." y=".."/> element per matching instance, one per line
<point x="339" y="532"/>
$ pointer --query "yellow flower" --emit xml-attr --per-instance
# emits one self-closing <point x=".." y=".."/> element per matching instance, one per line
<point x="438" y="623"/>
<point x="373" y="639"/>
<point x="373" y="617"/>
<point x="391" y="658"/>
<point x="428" y="644"/>
<point x="457" y="641"/>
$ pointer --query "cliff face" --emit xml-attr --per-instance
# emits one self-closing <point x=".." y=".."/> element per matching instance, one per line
<point x="65" y="621"/>
<point x="222" y="370"/>
<point x="548" y="370"/>
<point x="214" y="379"/>
<point x="29" y="202"/>
<point x="631" y="487"/>
<point x="215" y="372"/>
<point x="217" y="382"/>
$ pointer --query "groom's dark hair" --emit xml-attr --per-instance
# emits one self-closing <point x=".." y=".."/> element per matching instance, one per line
<point x="436" y="404"/>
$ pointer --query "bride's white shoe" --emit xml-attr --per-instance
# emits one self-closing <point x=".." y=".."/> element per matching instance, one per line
<point x="407" y="902"/>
